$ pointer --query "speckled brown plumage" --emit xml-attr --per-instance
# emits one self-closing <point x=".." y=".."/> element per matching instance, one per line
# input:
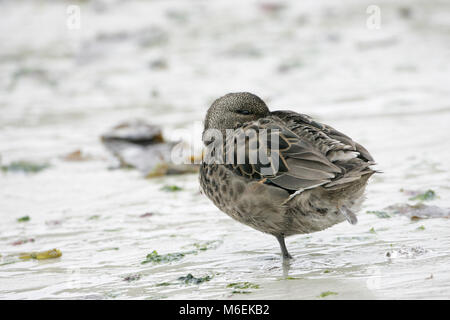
<point x="320" y="181"/>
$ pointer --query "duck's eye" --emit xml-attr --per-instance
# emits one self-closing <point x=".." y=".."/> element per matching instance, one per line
<point x="244" y="112"/>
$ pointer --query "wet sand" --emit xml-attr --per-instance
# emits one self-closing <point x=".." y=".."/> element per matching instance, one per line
<point x="165" y="62"/>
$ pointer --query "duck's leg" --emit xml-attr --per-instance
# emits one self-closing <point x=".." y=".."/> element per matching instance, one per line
<point x="284" y="251"/>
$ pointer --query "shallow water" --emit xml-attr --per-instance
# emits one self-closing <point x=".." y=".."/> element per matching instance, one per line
<point x="165" y="62"/>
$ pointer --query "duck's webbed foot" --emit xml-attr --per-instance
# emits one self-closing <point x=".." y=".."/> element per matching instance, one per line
<point x="284" y="250"/>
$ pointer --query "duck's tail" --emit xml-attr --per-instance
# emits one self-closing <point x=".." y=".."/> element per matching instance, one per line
<point x="349" y="215"/>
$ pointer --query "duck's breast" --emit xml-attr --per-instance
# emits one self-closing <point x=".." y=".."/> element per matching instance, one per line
<point x="250" y="202"/>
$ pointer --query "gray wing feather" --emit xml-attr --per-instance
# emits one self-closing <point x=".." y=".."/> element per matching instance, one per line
<point x="349" y="159"/>
<point x="310" y="154"/>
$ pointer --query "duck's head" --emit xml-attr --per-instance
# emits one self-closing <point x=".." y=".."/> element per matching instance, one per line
<point x="233" y="109"/>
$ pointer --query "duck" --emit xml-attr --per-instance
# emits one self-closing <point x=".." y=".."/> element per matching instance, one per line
<point x="306" y="176"/>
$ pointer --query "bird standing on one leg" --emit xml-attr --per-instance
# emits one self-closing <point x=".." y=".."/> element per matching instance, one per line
<point x="314" y="178"/>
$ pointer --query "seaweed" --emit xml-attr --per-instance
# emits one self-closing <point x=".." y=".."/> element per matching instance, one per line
<point x="190" y="279"/>
<point x="326" y="294"/>
<point x="291" y="278"/>
<point x="20" y="242"/>
<point x="426" y="196"/>
<point x="419" y="211"/>
<point x="8" y="262"/>
<point x="169" y="257"/>
<point x="53" y="222"/>
<point x="243" y="285"/>
<point x="49" y="254"/>
<point x="203" y="246"/>
<point x="358" y="238"/>
<point x="23" y="219"/>
<point x="107" y="249"/>
<point x="24" y="166"/>
<point x="163" y="284"/>
<point x="113" y="230"/>
<point x="132" y="277"/>
<point x="406" y="252"/>
<point x="154" y="257"/>
<point x="171" y="188"/>
<point x="145" y="215"/>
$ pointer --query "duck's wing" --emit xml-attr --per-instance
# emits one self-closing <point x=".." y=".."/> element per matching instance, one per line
<point x="275" y="154"/>
<point x="350" y="157"/>
<point x="299" y="155"/>
<point x="305" y="126"/>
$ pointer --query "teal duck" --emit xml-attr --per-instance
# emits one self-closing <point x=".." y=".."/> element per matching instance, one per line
<point x="318" y="181"/>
